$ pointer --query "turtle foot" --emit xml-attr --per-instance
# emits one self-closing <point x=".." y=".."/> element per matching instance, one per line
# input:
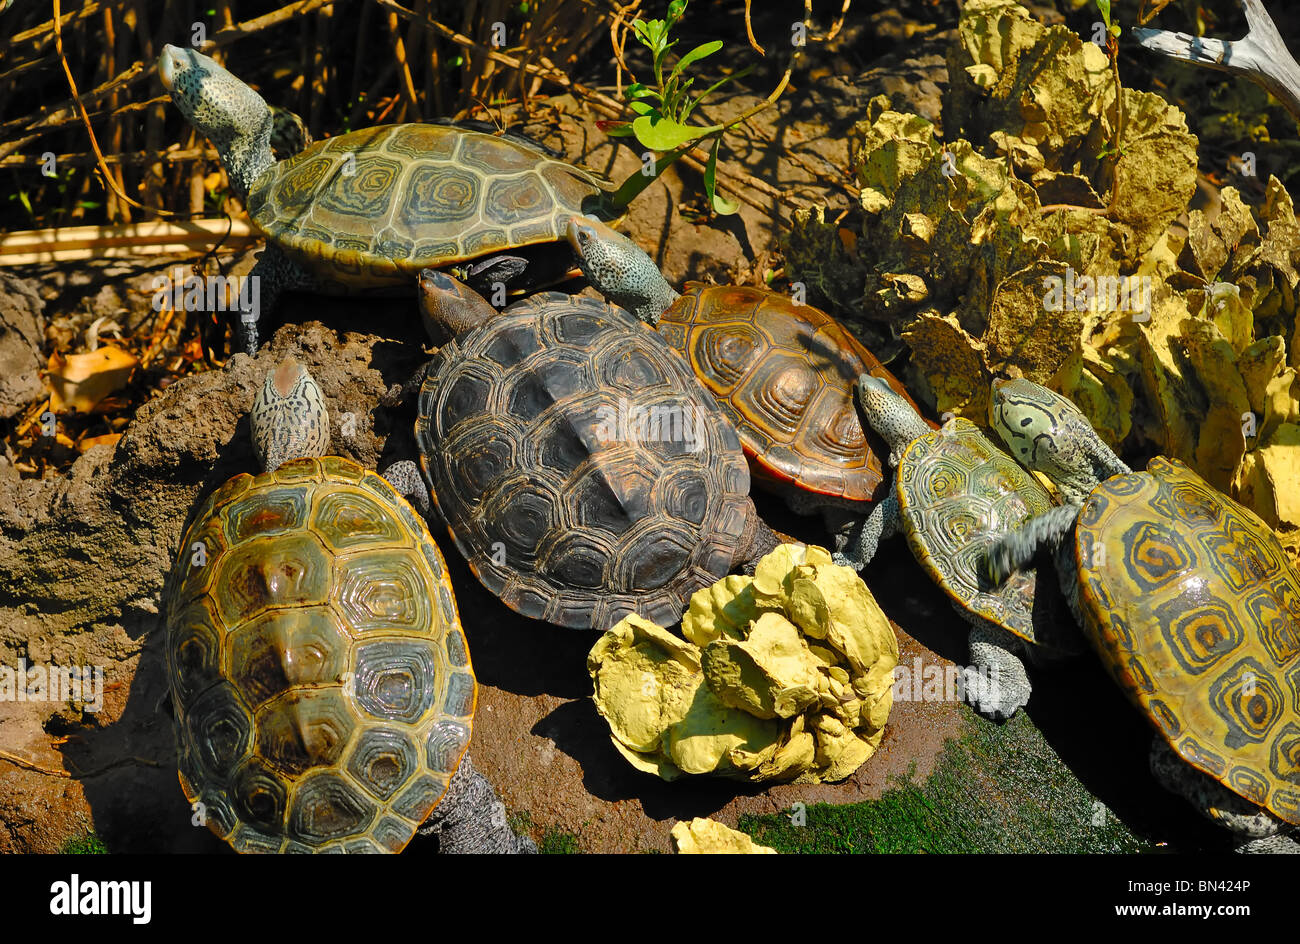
<point x="1277" y="844"/>
<point x="986" y="695"/>
<point x="995" y="683"/>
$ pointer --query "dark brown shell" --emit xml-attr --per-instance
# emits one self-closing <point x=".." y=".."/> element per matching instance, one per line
<point x="370" y="209"/>
<point x="785" y="376"/>
<point x="561" y="512"/>
<point x="321" y="680"/>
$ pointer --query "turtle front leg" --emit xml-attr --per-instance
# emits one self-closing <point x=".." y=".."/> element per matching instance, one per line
<point x="1255" y="830"/>
<point x="883" y="523"/>
<point x="404" y="475"/>
<point x="1016" y="549"/>
<point x="471" y="819"/>
<point x="399" y="394"/>
<point x="272" y="274"/>
<point x="995" y="683"/>
<point x="486" y="274"/>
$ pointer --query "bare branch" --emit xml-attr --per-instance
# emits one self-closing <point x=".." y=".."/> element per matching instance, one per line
<point x="1261" y="56"/>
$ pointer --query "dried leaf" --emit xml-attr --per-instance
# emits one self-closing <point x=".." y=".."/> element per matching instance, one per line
<point x="79" y="382"/>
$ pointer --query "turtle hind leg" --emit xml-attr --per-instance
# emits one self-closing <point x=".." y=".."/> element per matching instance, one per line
<point x="884" y="522"/>
<point x="1254" y="829"/>
<point x="1276" y="844"/>
<point x="757" y="541"/>
<point x="471" y="819"/>
<point x="273" y="274"/>
<point x="996" y="683"/>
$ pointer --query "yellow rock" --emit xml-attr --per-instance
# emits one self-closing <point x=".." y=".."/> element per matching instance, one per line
<point x="786" y="675"/>
<point x="705" y="739"/>
<point x="636" y="656"/>
<point x="709" y="837"/>
<point x="770" y="674"/>
<point x="1280" y="460"/>
<point x="951" y="363"/>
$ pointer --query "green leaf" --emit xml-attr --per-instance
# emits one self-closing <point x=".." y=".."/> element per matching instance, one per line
<point x="675" y="10"/>
<point x="638" y="90"/>
<point x="1104" y="7"/>
<point x="698" y="53"/>
<point x="663" y="134"/>
<point x="642" y="30"/>
<point x="721" y="205"/>
<point x="643" y="108"/>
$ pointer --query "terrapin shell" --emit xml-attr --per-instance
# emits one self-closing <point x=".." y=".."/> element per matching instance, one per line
<point x="369" y="209"/>
<point x="564" y="512"/>
<point x="956" y="490"/>
<point x="322" y="684"/>
<point x="1194" y="608"/>
<point x="784" y="374"/>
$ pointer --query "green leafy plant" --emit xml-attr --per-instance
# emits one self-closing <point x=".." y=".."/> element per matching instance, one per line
<point x="1116" y="147"/>
<point x="663" y="110"/>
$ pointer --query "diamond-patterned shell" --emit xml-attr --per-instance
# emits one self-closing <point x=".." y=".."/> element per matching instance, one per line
<point x="1194" y="607"/>
<point x="371" y="208"/>
<point x="956" y="490"/>
<point x="785" y="376"/>
<point x="563" y="511"/>
<point x="321" y="680"/>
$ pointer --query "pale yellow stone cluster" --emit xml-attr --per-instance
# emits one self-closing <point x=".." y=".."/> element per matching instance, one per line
<point x="783" y="676"/>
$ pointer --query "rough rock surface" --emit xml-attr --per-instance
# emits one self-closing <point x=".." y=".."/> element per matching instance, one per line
<point x="21" y="325"/>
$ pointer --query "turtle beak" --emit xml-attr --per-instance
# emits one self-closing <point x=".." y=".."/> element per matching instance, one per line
<point x="431" y="280"/>
<point x="875" y="385"/>
<point x="998" y="393"/>
<point x="577" y="228"/>
<point x="170" y="64"/>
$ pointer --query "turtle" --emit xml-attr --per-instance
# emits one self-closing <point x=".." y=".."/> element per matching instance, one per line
<point x="784" y="373"/>
<point x="364" y="212"/>
<point x="1189" y="600"/>
<point x="575" y="461"/>
<point x="322" y="687"/>
<point x="953" y="491"/>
